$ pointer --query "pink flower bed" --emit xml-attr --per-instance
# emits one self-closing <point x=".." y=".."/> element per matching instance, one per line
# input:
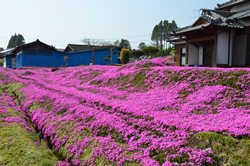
<point x="134" y="113"/>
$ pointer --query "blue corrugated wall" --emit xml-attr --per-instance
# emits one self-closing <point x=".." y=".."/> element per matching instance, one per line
<point x="53" y="59"/>
<point x="19" y="60"/>
<point x="8" y="61"/>
<point x="78" y="58"/>
<point x="101" y="57"/>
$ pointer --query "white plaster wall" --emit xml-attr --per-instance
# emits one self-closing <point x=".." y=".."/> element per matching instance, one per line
<point x="200" y="55"/>
<point x="222" y="48"/>
<point x="239" y="50"/>
<point x="193" y="53"/>
<point x="4" y="62"/>
<point x="231" y="47"/>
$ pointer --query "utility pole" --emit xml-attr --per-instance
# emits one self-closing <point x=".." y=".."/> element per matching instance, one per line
<point x="111" y="55"/>
<point x="161" y="36"/>
<point x="92" y="57"/>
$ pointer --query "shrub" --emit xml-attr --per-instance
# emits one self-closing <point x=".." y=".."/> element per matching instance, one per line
<point x="151" y="50"/>
<point x="137" y="53"/>
<point x="124" y="56"/>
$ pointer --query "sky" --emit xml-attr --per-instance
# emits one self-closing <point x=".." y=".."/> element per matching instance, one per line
<point x="60" y="22"/>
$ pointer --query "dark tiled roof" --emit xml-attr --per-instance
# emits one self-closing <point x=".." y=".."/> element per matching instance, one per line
<point x="217" y="18"/>
<point x="79" y="47"/>
<point x="221" y="18"/>
<point x="241" y="15"/>
<point x="190" y="28"/>
<point x="230" y="3"/>
<point x="17" y="49"/>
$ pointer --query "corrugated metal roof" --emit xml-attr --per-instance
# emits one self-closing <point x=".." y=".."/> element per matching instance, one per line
<point x="7" y="52"/>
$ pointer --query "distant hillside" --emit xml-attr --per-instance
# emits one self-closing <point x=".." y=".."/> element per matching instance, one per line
<point x="143" y="113"/>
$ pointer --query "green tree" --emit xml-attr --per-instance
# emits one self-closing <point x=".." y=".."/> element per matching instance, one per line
<point x="151" y="50"/>
<point x="161" y="33"/>
<point x="141" y="46"/>
<point x="137" y="53"/>
<point x="16" y="40"/>
<point x="1" y="49"/>
<point x="125" y="44"/>
<point x="124" y="55"/>
<point x="117" y="43"/>
<point x="155" y="37"/>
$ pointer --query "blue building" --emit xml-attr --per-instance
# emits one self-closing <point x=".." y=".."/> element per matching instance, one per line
<point x="35" y="54"/>
<point x="98" y="55"/>
<point x="39" y="54"/>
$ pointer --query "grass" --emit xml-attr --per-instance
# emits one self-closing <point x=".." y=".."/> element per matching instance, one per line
<point x="158" y="155"/>
<point x="47" y="104"/>
<point x="100" y="161"/>
<point x="13" y="90"/>
<point x="18" y="147"/>
<point x="227" y="149"/>
<point x="138" y="79"/>
<point x="88" y="151"/>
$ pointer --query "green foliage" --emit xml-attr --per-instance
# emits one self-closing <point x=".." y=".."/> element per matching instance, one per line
<point x="16" y="40"/>
<point x="158" y="155"/>
<point x="137" y="53"/>
<point x="13" y="90"/>
<point x="125" y="44"/>
<point x="138" y="79"/>
<point x="1" y="62"/>
<point x="101" y="161"/>
<point x="184" y="158"/>
<point x="227" y="149"/>
<point x="161" y="33"/>
<point x="124" y="56"/>
<point x="18" y="147"/>
<point x="131" y="163"/>
<point x="103" y="131"/>
<point x="46" y="103"/>
<point x="142" y="45"/>
<point x="151" y="50"/>
<point x="229" y="81"/>
<point x="88" y="151"/>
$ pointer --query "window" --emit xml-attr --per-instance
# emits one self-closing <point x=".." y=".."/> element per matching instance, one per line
<point x="183" y="56"/>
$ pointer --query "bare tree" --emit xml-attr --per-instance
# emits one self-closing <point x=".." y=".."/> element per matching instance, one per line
<point x="95" y="42"/>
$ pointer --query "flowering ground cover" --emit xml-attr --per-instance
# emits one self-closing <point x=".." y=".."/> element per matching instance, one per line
<point x="145" y="113"/>
<point x="19" y="143"/>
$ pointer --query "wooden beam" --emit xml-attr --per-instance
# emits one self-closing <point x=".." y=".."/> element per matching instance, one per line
<point x="200" y="39"/>
<point x="187" y="53"/>
<point x="215" y="53"/>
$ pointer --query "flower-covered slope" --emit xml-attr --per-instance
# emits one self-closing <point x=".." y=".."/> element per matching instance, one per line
<point x="19" y="143"/>
<point x="146" y="113"/>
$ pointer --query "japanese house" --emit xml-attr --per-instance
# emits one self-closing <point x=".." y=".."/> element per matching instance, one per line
<point x="220" y="37"/>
